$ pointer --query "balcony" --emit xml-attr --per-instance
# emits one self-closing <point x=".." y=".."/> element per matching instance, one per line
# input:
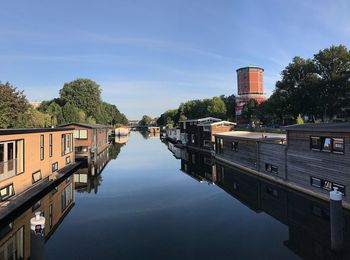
<point x="8" y="169"/>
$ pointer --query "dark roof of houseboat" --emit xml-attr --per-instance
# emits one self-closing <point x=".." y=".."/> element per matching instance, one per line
<point x="215" y="123"/>
<point x="202" y="119"/>
<point x="252" y="135"/>
<point x="93" y="126"/>
<point x="320" y="127"/>
<point x="13" y="131"/>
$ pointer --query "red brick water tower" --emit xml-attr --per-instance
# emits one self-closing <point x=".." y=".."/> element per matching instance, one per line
<point x="250" y="85"/>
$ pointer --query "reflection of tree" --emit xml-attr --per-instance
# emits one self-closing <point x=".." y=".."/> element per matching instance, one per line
<point x="145" y="134"/>
<point x="114" y="150"/>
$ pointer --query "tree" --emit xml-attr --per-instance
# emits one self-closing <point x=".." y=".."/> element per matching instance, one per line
<point x="230" y="103"/>
<point x="13" y="104"/>
<point x="217" y="108"/>
<point x="84" y="94"/>
<point x="33" y="118"/>
<point x="70" y="114"/>
<point x="145" y="121"/>
<point x="167" y="118"/>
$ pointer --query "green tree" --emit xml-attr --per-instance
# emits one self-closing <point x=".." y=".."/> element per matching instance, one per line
<point x="70" y="113"/>
<point x="217" y="108"/>
<point x="13" y="104"/>
<point x="145" y="121"/>
<point x="230" y="103"/>
<point x="84" y="94"/>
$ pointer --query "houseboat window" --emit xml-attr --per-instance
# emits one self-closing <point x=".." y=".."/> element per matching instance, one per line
<point x="68" y="160"/>
<point x="2" y="159"/>
<point x="316" y="182"/>
<point x="234" y="146"/>
<point x="326" y="184"/>
<point x="13" y="248"/>
<point x="271" y="168"/>
<point x="20" y="156"/>
<point x="10" y="157"/>
<point x="41" y="147"/>
<point x="6" y="192"/>
<point x="338" y="145"/>
<point x="67" y="143"/>
<point x="36" y="176"/>
<point x="192" y="138"/>
<point x="54" y="167"/>
<point x="80" y="134"/>
<point x="315" y="143"/>
<point x="206" y="128"/>
<point x="206" y="143"/>
<point x="50" y="145"/>
<point x="326" y="144"/>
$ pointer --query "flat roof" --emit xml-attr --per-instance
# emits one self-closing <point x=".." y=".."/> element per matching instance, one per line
<point x="13" y="131"/>
<point x="320" y="127"/>
<point x="216" y="123"/>
<point x="250" y="67"/>
<point x="93" y="126"/>
<point x="202" y="119"/>
<point x="252" y="135"/>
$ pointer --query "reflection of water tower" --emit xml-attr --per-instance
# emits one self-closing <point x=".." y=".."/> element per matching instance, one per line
<point x="250" y="85"/>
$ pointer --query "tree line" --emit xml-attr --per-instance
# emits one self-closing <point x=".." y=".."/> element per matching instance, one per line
<point x="316" y="89"/>
<point x="79" y="101"/>
<point x="222" y="107"/>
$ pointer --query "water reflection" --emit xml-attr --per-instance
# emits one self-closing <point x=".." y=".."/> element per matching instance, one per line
<point x="307" y="218"/>
<point x="15" y="235"/>
<point x="88" y="177"/>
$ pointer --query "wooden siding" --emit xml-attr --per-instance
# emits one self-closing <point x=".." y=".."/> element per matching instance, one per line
<point x="274" y="154"/>
<point x="302" y="162"/>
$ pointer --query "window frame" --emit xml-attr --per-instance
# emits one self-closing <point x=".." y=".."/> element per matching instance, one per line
<point x="234" y="146"/>
<point x="54" y="167"/>
<point x="35" y="181"/>
<point x="5" y="197"/>
<point x="42" y="147"/>
<point x="50" y="145"/>
<point x="321" y="146"/>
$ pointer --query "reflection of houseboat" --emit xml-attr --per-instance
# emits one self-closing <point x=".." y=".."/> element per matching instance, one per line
<point x="121" y="131"/>
<point x="87" y="177"/>
<point x="307" y="218"/>
<point x="173" y="134"/>
<point x="15" y="234"/>
<point x="121" y="139"/>
<point x="312" y="158"/>
<point x="30" y="157"/>
<point x="90" y="140"/>
<point x="154" y="130"/>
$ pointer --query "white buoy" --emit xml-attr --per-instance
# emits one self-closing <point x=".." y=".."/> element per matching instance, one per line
<point x="37" y="237"/>
<point x="336" y="215"/>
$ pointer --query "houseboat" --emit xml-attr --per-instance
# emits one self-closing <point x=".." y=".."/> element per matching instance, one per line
<point x="153" y="130"/>
<point x="173" y="134"/>
<point x="90" y="140"/>
<point x="199" y="133"/>
<point x="30" y="157"/>
<point x="313" y="158"/>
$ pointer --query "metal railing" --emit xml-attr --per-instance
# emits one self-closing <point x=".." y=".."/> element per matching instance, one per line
<point x="8" y="169"/>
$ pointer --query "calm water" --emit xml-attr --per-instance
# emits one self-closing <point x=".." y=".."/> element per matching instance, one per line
<point x="145" y="206"/>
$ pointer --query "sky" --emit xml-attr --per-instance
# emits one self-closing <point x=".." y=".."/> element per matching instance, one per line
<point x="149" y="56"/>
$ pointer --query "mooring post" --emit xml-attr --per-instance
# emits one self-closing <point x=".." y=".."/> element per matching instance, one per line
<point x="37" y="237"/>
<point x="336" y="214"/>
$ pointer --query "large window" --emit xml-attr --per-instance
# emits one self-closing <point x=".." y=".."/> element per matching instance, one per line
<point x="326" y="184"/>
<point x="11" y="158"/>
<point x="67" y="143"/>
<point x="42" y="147"/>
<point x="13" y="248"/>
<point x="6" y="192"/>
<point x="81" y="134"/>
<point x="271" y="168"/>
<point x="50" y="145"/>
<point x="219" y="145"/>
<point x="327" y="144"/>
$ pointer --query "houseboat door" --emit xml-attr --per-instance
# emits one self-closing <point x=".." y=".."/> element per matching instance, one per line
<point x="7" y="159"/>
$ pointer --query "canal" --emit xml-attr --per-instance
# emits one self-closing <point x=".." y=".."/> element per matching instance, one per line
<point x="143" y="203"/>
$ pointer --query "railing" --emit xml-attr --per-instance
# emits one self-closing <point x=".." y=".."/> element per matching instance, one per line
<point x="8" y="169"/>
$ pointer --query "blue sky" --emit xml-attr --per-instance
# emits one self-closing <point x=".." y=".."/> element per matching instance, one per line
<point x="149" y="56"/>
